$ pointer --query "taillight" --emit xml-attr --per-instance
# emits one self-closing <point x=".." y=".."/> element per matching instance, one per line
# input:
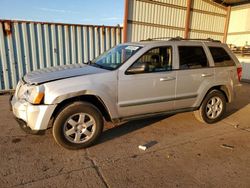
<point x="239" y="72"/>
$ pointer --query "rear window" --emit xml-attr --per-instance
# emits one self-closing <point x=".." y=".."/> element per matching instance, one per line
<point x="221" y="57"/>
<point x="192" y="57"/>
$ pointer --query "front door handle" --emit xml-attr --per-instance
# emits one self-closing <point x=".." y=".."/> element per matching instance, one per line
<point x="207" y="75"/>
<point x="168" y="78"/>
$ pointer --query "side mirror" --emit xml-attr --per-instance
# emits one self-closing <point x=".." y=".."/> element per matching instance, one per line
<point x="138" y="67"/>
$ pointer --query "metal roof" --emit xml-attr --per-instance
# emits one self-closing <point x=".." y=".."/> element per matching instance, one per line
<point x="231" y="2"/>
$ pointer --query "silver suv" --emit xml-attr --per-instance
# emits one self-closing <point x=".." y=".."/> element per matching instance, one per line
<point x="129" y="81"/>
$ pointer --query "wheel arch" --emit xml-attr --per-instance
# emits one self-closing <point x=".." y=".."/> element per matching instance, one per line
<point x="90" y="98"/>
<point x="223" y="89"/>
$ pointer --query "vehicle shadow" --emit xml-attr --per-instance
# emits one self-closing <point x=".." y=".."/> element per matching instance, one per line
<point x="242" y="100"/>
<point x="110" y="133"/>
<point x="127" y="127"/>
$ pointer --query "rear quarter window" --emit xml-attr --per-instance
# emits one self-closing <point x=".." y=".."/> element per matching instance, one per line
<point x="221" y="57"/>
<point x="192" y="57"/>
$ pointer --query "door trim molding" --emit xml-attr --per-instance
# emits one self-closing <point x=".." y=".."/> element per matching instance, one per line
<point x="137" y="103"/>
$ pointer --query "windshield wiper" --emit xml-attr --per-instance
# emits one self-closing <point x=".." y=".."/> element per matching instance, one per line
<point x="101" y="66"/>
<point x="96" y="65"/>
<point x="87" y="63"/>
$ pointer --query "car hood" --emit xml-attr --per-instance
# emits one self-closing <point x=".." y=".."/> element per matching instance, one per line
<point x="60" y="72"/>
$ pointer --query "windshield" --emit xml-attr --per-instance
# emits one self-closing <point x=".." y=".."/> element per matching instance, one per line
<point x="115" y="57"/>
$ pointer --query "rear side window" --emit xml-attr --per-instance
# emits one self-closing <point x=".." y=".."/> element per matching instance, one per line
<point x="192" y="57"/>
<point x="221" y="57"/>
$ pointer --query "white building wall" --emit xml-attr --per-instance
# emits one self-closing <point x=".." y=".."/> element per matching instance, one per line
<point x="239" y="26"/>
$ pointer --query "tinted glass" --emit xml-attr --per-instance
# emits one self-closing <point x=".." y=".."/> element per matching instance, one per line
<point x="192" y="57"/>
<point x="156" y="60"/>
<point x="221" y="57"/>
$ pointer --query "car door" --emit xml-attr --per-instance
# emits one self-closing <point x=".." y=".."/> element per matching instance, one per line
<point x="150" y="90"/>
<point x="195" y="75"/>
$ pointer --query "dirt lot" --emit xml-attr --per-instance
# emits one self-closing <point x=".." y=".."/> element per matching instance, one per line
<point x="185" y="153"/>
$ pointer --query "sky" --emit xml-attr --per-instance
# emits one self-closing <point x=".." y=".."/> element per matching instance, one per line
<point x="94" y="12"/>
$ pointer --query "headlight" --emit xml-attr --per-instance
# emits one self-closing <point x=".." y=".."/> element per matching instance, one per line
<point x="34" y="94"/>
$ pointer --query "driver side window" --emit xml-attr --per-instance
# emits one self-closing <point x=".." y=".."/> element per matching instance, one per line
<point x="155" y="60"/>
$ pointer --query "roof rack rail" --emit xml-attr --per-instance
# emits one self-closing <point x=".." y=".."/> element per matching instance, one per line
<point x="178" y="38"/>
<point x="158" y="38"/>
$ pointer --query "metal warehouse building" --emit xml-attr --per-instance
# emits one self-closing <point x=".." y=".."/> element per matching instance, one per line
<point x="186" y="18"/>
<point x="28" y="45"/>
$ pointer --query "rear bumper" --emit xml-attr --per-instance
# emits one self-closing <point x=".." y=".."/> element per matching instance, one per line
<point x="36" y="117"/>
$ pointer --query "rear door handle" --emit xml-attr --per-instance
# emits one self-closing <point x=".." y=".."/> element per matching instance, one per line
<point x="207" y="75"/>
<point x="167" y="78"/>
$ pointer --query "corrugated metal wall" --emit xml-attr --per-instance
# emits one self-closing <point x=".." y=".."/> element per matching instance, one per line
<point x="207" y="20"/>
<point x="166" y="18"/>
<point x="239" y="26"/>
<point x="150" y="19"/>
<point x="27" y="46"/>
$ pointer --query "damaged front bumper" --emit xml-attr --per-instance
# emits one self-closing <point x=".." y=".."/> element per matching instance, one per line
<point x="29" y="116"/>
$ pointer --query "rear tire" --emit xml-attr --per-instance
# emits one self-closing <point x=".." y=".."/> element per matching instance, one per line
<point x="78" y="125"/>
<point x="212" y="108"/>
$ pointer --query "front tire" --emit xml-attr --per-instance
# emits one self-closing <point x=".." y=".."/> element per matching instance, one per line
<point x="78" y="125"/>
<point x="212" y="108"/>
